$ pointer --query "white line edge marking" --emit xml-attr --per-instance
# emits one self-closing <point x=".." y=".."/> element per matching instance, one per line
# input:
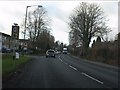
<point x="67" y="64"/>
<point x="82" y="72"/>
<point x="60" y="59"/>
<point x="92" y="78"/>
<point x="72" y="67"/>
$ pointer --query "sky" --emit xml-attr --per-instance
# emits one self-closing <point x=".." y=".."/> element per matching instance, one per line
<point x="59" y="11"/>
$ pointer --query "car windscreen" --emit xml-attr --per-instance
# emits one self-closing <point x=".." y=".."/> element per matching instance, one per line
<point x="50" y="51"/>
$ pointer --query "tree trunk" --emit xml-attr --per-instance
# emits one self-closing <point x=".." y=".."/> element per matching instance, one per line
<point x="85" y="47"/>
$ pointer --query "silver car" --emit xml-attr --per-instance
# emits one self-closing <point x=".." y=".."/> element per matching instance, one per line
<point x="50" y="53"/>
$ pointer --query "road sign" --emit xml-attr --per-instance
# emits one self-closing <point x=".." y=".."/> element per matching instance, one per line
<point x="15" y="32"/>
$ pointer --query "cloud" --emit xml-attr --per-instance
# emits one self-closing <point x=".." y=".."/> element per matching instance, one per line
<point x="59" y="11"/>
<point x="109" y="7"/>
<point x="2" y="27"/>
<point x="61" y="36"/>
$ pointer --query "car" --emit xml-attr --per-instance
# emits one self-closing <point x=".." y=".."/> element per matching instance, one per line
<point x="5" y="50"/>
<point x="65" y="52"/>
<point x="56" y="52"/>
<point x="50" y="53"/>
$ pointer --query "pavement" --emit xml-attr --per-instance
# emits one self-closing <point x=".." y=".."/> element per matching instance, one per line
<point x="63" y="71"/>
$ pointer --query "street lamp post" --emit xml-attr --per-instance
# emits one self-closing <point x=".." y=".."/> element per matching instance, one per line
<point x="26" y="19"/>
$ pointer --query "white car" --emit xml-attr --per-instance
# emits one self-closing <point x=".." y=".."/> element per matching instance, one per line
<point x="50" y="53"/>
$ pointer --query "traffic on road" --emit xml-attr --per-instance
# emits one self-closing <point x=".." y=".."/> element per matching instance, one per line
<point x="63" y="71"/>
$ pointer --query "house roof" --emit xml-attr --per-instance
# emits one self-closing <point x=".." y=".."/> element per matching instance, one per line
<point x="5" y="34"/>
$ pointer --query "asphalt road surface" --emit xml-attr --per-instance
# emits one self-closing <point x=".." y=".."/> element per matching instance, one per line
<point x="64" y="71"/>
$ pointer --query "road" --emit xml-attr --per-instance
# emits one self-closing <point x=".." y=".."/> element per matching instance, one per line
<point x="64" y="71"/>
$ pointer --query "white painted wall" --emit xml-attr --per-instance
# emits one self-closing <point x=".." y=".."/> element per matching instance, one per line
<point x="0" y="61"/>
<point x="0" y="41"/>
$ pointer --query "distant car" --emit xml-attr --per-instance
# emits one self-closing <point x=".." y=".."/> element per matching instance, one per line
<point x="56" y="52"/>
<point x="65" y="51"/>
<point x="59" y="52"/>
<point x="50" y="53"/>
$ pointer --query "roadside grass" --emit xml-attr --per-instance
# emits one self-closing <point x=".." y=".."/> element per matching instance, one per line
<point x="93" y="60"/>
<point x="9" y="65"/>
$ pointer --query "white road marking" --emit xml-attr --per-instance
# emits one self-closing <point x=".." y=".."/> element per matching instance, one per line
<point x="60" y="59"/>
<point x="92" y="78"/>
<point x="72" y="67"/>
<point x="82" y="72"/>
<point x="67" y="64"/>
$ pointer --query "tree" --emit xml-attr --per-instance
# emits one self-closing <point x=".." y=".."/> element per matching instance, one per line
<point x="118" y="36"/>
<point x="61" y="46"/>
<point x="37" y="23"/>
<point x="57" y="44"/>
<point x="45" y="41"/>
<point x="98" y="39"/>
<point x="87" y="21"/>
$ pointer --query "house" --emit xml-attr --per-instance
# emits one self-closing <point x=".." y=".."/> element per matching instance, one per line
<point x="6" y="41"/>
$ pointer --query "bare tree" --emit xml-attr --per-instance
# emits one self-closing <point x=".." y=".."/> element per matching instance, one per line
<point x="37" y="22"/>
<point x="87" y="21"/>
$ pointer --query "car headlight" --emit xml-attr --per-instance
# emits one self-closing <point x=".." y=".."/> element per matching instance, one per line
<point x="47" y="54"/>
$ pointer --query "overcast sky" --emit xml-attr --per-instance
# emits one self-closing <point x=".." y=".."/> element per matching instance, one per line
<point x="59" y="11"/>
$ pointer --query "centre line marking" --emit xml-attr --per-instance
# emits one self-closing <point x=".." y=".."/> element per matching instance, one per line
<point x="72" y="67"/>
<point x="60" y="59"/>
<point x="92" y="78"/>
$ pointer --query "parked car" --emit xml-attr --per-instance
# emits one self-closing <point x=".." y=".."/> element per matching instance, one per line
<point x="50" y="53"/>
<point x="4" y="50"/>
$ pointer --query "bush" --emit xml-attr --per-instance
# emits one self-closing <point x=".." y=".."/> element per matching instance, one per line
<point x="106" y="52"/>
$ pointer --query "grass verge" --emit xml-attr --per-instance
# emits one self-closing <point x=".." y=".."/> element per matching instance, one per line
<point x="9" y="65"/>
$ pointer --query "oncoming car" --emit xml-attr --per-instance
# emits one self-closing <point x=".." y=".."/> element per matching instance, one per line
<point x="50" y="53"/>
